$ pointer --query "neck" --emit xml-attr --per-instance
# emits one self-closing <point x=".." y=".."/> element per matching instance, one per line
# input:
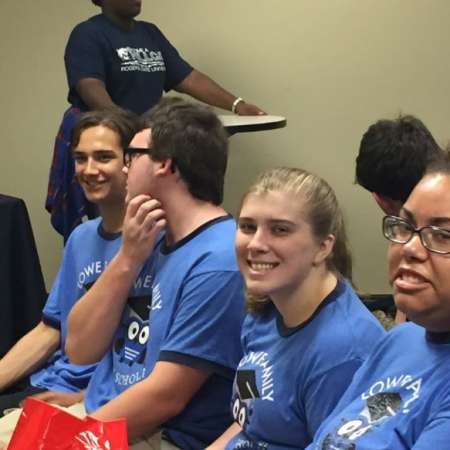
<point x="193" y="214"/>
<point x="126" y="23"/>
<point x="112" y="217"/>
<point x="298" y="305"/>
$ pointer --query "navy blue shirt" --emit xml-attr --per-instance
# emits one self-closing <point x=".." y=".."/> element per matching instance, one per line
<point x="136" y="66"/>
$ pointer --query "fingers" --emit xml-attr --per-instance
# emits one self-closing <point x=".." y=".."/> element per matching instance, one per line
<point x="151" y="224"/>
<point x="135" y="203"/>
<point x="46" y="396"/>
<point x="142" y="207"/>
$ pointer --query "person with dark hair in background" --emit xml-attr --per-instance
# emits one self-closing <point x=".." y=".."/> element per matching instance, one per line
<point x="400" y="397"/>
<point x="306" y="332"/>
<point x="38" y="364"/>
<point x="113" y="60"/>
<point x="392" y="158"/>
<point x="170" y="304"/>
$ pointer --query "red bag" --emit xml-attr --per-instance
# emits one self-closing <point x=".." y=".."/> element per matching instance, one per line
<point x="42" y="426"/>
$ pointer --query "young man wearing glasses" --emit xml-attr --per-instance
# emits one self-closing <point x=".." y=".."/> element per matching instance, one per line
<point x="400" y="397"/>
<point x="38" y="360"/>
<point x="175" y="375"/>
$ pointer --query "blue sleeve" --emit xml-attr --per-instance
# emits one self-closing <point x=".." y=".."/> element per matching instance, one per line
<point x="83" y="56"/>
<point x="435" y="436"/>
<point x="207" y="323"/>
<point x="54" y="307"/>
<point x="321" y="395"/>
<point x="436" y="433"/>
<point x="177" y="69"/>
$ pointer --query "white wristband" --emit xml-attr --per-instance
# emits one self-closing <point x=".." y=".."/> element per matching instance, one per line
<point x="235" y="103"/>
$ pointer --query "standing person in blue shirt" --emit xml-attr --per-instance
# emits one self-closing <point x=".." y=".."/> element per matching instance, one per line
<point x="400" y="397"/>
<point x="167" y="358"/>
<point x="113" y="60"/>
<point x="37" y="364"/>
<point x="306" y="332"/>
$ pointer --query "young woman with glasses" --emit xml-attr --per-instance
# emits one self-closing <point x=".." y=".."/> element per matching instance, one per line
<point x="400" y="397"/>
<point x="306" y="332"/>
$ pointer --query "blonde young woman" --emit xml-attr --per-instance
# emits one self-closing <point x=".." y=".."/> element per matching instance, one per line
<point x="306" y="332"/>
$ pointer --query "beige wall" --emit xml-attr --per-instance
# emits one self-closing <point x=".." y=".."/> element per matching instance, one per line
<point x="331" y="67"/>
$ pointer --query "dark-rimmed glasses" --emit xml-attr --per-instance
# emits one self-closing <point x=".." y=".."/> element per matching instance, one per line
<point x="400" y="231"/>
<point x="130" y="154"/>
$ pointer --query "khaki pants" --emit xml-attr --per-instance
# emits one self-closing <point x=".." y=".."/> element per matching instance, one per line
<point x="154" y="442"/>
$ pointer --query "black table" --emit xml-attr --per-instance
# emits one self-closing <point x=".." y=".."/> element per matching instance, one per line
<point x="22" y="288"/>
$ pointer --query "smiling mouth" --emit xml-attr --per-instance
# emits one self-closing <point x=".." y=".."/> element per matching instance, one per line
<point x="92" y="184"/>
<point x="261" y="267"/>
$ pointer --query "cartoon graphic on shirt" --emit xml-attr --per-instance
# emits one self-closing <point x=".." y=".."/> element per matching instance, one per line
<point x="379" y="407"/>
<point x="131" y="346"/>
<point x="246" y="391"/>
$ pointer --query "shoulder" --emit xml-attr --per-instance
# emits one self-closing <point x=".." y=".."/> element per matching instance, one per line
<point x="355" y="318"/>
<point x="214" y="245"/>
<point x="344" y="328"/>
<point x="148" y="26"/>
<point x="88" y="228"/>
<point x="92" y="24"/>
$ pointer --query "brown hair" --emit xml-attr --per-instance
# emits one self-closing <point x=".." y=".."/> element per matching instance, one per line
<point x="193" y="137"/>
<point x="122" y="122"/>
<point x="322" y="211"/>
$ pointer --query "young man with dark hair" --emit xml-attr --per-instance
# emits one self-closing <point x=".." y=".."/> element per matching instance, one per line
<point x="392" y="158"/>
<point x="38" y="361"/>
<point x="169" y="351"/>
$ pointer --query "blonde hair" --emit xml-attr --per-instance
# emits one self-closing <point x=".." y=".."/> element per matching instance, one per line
<point x="322" y="213"/>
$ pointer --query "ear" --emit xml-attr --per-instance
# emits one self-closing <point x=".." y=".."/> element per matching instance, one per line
<point x="325" y="249"/>
<point x="387" y="204"/>
<point x="164" y="168"/>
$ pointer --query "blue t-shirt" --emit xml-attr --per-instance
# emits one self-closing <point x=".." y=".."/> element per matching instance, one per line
<point x="88" y="251"/>
<point x="136" y="66"/>
<point x="187" y="307"/>
<point x="399" y="399"/>
<point x="290" y="379"/>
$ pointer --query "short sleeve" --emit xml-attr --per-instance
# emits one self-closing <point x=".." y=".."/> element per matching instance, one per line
<point x="329" y="387"/>
<point x="83" y="56"/>
<point x="177" y="69"/>
<point x="52" y="314"/>
<point x="437" y="431"/>
<point x="207" y="324"/>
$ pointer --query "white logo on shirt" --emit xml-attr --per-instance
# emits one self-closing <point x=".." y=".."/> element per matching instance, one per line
<point x="140" y="59"/>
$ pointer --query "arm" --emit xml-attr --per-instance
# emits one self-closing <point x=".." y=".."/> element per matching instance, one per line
<point x="150" y="403"/>
<point x="86" y="342"/>
<point x="28" y="354"/>
<point x="86" y="67"/>
<point x="222" y="441"/>
<point x="437" y="429"/>
<point x="203" y="88"/>
<point x="65" y="399"/>
<point x="319" y="400"/>
<point x="93" y="93"/>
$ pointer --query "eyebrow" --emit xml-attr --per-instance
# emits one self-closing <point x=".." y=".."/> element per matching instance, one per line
<point x="434" y="221"/>
<point x="80" y="150"/>
<point x="270" y="221"/>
